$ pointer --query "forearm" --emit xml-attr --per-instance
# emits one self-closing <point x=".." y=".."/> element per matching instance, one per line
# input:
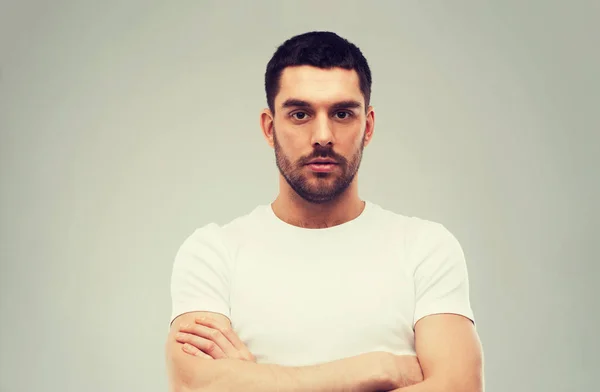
<point x="434" y="385"/>
<point x="345" y="375"/>
<point x="424" y="386"/>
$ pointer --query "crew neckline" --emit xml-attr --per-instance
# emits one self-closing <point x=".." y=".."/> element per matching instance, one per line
<point x="343" y="226"/>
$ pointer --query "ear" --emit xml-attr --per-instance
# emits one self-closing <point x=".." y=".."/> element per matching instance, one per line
<point x="266" y="124"/>
<point x="370" y="125"/>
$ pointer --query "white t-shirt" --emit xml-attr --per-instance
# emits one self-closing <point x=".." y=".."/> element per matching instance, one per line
<point x="299" y="296"/>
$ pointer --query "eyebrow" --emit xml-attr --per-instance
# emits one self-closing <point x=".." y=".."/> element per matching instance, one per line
<point x="298" y="103"/>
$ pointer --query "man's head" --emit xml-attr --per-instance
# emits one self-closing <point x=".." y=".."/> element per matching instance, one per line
<point x="318" y="89"/>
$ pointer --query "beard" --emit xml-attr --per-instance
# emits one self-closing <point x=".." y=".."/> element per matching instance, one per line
<point x="318" y="188"/>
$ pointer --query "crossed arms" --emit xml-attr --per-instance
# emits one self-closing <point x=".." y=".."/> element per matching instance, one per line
<point x="208" y="356"/>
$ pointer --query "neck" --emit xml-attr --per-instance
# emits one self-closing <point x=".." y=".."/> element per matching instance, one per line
<point x="294" y="210"/>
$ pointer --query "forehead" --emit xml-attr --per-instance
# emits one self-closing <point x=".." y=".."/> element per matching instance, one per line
<point x="318" y="86"/>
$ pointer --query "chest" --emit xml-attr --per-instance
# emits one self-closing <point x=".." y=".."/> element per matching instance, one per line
<point x="306" y="307"/>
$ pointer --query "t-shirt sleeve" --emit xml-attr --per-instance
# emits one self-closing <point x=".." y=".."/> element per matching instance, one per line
<point x="440" y="273"/>
<point x="201" y="274"/>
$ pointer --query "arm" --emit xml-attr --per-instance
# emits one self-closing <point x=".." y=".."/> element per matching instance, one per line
<point x="450" y="354"/>
<point x="201" y="280"/>
<point x="446" y="342"/>
<point x="212" y="337"/>
<point x="189" y="373"/>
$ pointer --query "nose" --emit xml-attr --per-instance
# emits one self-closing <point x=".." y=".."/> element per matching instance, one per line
<point x="322" y="132"/>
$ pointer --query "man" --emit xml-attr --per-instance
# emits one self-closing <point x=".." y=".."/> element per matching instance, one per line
<point x="320" y="290"/>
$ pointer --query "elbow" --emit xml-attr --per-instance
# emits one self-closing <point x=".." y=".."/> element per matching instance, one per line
<point x="462" y="382"/>
<point x="190" y="374"/>
<point x="182" y="377"/>
<point x="187" y="385"/>
<point x="456" y="385"/>
<point x="177" y="386"/>
<point x="181" y="380"/>
<point x="465" y="386"/>
<point x="469" y="386"/>
<point x="181" y="387"/>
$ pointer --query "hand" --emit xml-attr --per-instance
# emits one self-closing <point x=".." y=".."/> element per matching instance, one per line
<point x="209" y="339"/>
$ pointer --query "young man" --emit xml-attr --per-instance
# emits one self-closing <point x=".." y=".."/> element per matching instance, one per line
<point x="320" y="290"/>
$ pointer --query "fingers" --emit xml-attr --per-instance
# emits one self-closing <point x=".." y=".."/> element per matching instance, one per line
<point x="241" y="351"/>
<point x="196" y="340"/>
<point x="188" y="348"/>
<point x="216" y="336"/>
<point x="209" y="337"/>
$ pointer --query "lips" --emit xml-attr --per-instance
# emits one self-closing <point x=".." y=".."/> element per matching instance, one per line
<point x="322" y="167"/>
<point x="322" y="162"/>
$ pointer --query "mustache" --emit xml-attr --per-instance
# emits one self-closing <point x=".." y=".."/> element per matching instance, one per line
<point x="325" y="153"/>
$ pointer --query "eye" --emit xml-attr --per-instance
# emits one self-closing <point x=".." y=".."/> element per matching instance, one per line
<point x="299" y="115"/>
<point x="343" y="114"/>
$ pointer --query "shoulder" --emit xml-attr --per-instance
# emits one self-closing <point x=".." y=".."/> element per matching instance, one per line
<point x="208" y="236"/>
<point x="224" y="237"/>
<point x="420" y="237"/>
<point x="413" y="228"/>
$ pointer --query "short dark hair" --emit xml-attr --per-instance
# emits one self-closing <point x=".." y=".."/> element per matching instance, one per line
<point x="322" y="49"/>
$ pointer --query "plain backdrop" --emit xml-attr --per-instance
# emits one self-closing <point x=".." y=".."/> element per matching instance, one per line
<point x="127" y="124"/>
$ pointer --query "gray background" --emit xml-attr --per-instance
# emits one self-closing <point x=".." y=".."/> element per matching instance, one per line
<point x="127" y="124"/>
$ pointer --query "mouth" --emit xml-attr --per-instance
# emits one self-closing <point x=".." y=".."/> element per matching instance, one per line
<point x="322" y="161"/>
<point x="322" y="167"/>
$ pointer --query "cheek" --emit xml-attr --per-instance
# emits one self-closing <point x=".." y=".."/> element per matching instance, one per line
<point x="287" y="150"/>
<point x="361" y="137"/>
<point x="292" y="146"/>
<point x="353" y="142"/>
